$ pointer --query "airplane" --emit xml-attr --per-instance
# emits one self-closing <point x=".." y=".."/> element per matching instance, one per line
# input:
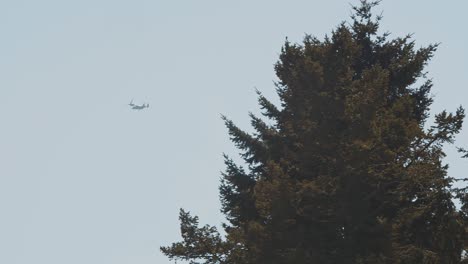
<point x="138" y="107"/>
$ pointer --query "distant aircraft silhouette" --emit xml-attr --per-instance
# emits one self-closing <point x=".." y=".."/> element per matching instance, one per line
<point x="138" y="107"/>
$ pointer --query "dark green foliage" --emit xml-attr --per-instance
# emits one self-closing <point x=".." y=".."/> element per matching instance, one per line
<point x="199" y="242"/>
<point x="346" y="173"/>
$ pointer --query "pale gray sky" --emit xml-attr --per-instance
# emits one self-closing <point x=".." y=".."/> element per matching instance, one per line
<point x="85" y="180"/>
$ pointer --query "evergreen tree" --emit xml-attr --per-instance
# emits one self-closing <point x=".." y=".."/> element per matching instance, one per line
<point x="347" y="171"/>
<point x="462" y="195"/>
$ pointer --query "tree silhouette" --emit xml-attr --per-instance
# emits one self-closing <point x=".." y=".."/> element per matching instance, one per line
<point x="345" y="171"/>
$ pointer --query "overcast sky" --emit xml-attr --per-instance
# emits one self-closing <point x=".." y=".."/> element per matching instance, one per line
<point x="83" y="179"/>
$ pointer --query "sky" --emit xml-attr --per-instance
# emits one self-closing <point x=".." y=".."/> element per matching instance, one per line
<point x="84" y="179"/>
